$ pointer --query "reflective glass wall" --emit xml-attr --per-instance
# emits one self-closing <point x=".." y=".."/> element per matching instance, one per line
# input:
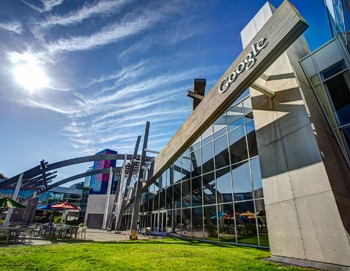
<point x="339" y="18"/>
<point x="328" y="72"/>
<point x="214" y="190"/>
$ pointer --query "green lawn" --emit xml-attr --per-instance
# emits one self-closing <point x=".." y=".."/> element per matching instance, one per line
<point x="151" y="254"/>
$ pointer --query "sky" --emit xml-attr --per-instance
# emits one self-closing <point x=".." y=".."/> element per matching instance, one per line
<point x="80" y="76"/>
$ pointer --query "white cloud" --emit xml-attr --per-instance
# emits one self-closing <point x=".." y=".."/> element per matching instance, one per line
<point x="75" y="17"/>
<point x="37" y="104"/>
<point x="15" y="27"/>
<point x="47" y="5"/>
<point x="106" y="36"/>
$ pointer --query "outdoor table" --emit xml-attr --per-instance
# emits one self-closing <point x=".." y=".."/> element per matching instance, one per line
<point x="10" y="234"/>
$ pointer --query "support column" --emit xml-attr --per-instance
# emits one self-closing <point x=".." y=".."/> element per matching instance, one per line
<point x="136" y="209"/>
<point x="123" y="203"/>
<point x="118" y="197"/>
<point x="14" y="197"/>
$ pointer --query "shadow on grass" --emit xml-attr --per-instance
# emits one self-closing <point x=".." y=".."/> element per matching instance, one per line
<point x="177" y="241"/>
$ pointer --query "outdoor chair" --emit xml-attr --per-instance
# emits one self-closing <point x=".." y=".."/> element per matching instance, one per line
<point x="4" y="235"/>
<point x="82" y="232"/>
<point x="26" y="235"/>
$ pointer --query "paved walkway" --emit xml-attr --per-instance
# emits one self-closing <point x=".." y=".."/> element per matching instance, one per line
<point x="93" y="235"/>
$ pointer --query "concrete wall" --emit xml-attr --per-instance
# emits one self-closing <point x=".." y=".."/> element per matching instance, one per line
<point x="297" y="156"/>
<point x="96" y="208"/>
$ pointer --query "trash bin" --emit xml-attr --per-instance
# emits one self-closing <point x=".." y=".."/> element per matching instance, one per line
<point x="133" y="235"/>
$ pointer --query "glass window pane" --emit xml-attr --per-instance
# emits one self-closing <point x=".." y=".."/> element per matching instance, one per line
<point x="177" y="195"/>
<point x="169" y="223"/>
<point x="262" y="225"/>
<point x="210" y="223"/>
<point x="224" y="185"/>
<point x="177" y="171"/>
<point x="315" y="80"/>
<point x="186" y="193"/>
<point x="251" y="137"/>
<point x="207" y="155"/>
<point x="238" y="146"/>
<point x="220" y="132"/>
<point x="242" y="186"/>
<point x="338" y="67"/>
<point x="196" y="191"/>
<point x="186" y="167"/>
<point x="209" y="189"/>
<point x="169" y="197"/>
<point x="197" y="223"/>
<point x="226" y="222"/>
<point x="323" y="99"/>
<point x="177" y="222"/>
<point x="257" y="182"/>
<point x="221" y="152"/>
<point x="162" y="199"/>
<point x="196" y="163"/>
<point x="236" y="123"/>
<point x="339" y="91"/>
<point x="246" y="223"/>
<point x="186" y="221"/>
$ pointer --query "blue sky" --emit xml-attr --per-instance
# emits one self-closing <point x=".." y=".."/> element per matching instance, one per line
<point x="110" y="67"/>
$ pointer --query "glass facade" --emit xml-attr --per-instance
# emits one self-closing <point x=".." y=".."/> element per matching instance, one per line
<point x="213" y="191"/>
<point x="329" y="75"/>
<point x="339" y="18"/>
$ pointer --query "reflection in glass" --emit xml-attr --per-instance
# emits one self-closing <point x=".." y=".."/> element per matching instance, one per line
<point x="177" y="222"/>
<point x="221" y="152"/>
<point x="209" y="189"/>
<point x="262" y="225"/>
<point x="186" y="194"/>
<point x="210" y="222"/>
<point x="226" y="222"/>
<point x="177" y="195"/>
<point x="242" y="187"/>
<point x="196" y="162"/>
<point x="196" y="191"/>
<point x="224" y="185"/>
<point x="197" y="223"/>
<point x="186" y="221"/>
<point x="162" y="199"/>
<point x="257" y="182"/>
<point x="169" y="223"/>
<point x="177" y="171"/>
<point x="207" y="155"/>
<point x="246" y="223"/>
<point x="238" y="146"/>
<point x="186" y="167"/>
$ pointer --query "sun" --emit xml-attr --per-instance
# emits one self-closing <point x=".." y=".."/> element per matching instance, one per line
<point x="28" y="73"/>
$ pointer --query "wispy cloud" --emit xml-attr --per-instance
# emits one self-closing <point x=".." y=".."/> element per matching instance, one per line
<point x="15" y="27"/>
<point x="108" y="35"/>
<point x="43" y="105"/>
<point x="47" y="5"/>
<point x="78" y="16"/>
<point x="132" y="24"/>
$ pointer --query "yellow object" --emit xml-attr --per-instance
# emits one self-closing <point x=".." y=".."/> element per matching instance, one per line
<point x="133" y="235"/>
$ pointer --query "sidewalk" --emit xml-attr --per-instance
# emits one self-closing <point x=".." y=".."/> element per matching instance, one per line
<point x="92" y="235"/>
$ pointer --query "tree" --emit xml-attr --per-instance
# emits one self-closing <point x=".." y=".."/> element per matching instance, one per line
<point x="2" y="176"/>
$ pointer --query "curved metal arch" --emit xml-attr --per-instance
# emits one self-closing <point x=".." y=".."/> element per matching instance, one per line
<point x="72" y="178"/>
<point x="35" y="171"/>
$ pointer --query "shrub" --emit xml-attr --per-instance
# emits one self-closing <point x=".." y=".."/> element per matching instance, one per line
<point x="57" y="220"/>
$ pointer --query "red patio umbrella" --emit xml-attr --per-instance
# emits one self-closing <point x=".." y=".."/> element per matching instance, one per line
<point x="64" y="206"/>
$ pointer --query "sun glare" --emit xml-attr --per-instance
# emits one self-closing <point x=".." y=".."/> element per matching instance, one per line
<point x="28" y="73"/>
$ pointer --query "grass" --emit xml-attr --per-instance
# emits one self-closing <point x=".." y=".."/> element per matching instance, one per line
<point x="151" y="254"/>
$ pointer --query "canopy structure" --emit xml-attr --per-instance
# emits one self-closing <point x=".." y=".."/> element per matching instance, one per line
<point x="10" y="203"/>
<point x="64" y="206"/>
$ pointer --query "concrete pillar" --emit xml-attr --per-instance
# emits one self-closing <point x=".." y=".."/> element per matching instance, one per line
<point x="299" y="160"/>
